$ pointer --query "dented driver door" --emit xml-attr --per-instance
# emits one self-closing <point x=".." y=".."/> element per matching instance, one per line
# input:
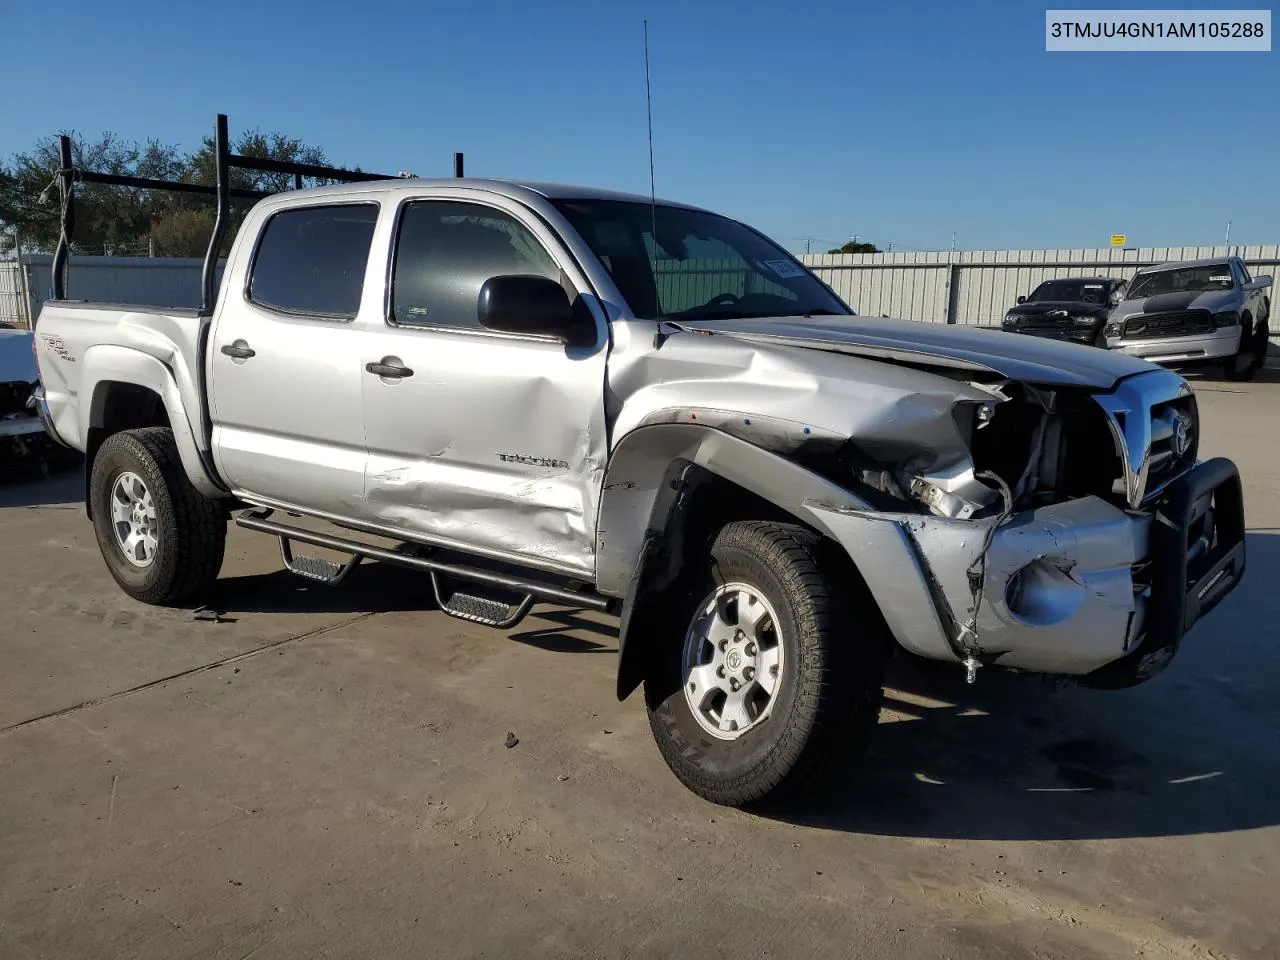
<point x="491" y="442"/>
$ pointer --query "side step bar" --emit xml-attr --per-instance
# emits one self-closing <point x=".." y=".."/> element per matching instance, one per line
<point x="316" y="568"/>
<point x="519" y="585"/>
<point x="465" y="606"/>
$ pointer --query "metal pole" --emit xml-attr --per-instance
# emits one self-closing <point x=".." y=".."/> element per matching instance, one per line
<point x="1226" y="241"/>
<point x="457" y="165"/>
<point x="222" y="171"/>
<point x="66" y="184"/>
<point x="297" y="181"/>
<point x="953" y="293"/>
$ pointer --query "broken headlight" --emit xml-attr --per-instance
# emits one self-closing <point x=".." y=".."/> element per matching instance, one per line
<point x="956" y="496"/>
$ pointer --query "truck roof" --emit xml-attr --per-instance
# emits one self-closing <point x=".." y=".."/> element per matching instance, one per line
<point x="515" y="189"/>
<point x="1083" y="279"/>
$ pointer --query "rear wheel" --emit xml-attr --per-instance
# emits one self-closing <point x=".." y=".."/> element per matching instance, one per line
<point x="162" y="540"/>
<point x="774" y="677"/>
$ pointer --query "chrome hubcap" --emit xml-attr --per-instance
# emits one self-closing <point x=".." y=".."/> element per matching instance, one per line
<point x="133" y="518"/>
<point x="733" y="661"/>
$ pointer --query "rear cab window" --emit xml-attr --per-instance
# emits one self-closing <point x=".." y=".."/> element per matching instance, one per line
<point x="311" y="260"/>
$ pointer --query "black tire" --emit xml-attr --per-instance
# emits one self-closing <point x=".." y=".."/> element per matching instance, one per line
<point x="191" y="530"/>
<point x="827" y="700"/>
<point x="1251" y="355"/>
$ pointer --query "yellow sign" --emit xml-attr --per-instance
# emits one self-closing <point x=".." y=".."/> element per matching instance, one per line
<point x="1118" y="239"/>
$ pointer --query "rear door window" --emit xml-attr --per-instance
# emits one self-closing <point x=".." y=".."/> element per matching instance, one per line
<point x="312" y="260"/>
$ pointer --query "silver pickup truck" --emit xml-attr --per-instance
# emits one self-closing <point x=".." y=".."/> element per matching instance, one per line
<point x="547" y="393"/>
<point x="1195" y="311"/>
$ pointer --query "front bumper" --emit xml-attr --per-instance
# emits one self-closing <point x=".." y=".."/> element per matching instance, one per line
<point x="1206" y="346"/>
<point x="20" y="426"/>
<point x="21" y="422"/>
<point x="1078" y="588"/>
<point x="1067" y="334"/>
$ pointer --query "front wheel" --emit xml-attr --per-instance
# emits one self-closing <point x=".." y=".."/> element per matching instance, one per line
<point x="1252" y="355"/>
<point x="776" y="678"/>
<point x="162" y="540"/>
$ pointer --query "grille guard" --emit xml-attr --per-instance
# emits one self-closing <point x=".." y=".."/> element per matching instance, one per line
<point x="1185" y="587"/>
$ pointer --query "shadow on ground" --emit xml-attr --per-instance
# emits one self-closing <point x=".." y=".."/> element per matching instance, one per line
<point x="1212" y="377"/>
<point x="1014" y="757"/>
<point x="382" y="588"/>
<point x="32" y="489"/>
<point x="371" y="588"/>
<point x="1010" y="757"/>
<point x="555" y="636"/>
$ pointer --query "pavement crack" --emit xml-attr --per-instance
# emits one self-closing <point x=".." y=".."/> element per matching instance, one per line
<point x="161" y="681"/>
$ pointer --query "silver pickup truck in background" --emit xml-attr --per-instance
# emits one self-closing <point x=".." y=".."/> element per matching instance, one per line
<point x="549" y="393"/>
<point x="1195" y="311"/>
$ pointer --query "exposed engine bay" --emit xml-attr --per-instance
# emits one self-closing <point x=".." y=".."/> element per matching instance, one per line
<point x="1033" y="447"/>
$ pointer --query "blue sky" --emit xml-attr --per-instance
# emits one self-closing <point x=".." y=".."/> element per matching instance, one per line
<point x="896" y="122"/>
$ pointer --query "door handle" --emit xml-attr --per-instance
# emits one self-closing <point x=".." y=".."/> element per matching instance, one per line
<point x="389" y="368"/>
<point x="239" y="350"/>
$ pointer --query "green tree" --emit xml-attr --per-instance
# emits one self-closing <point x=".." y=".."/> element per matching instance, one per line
<point x="129" y="220"/>
<point x="201" y="168"/>
<point x="852" y="247"/>
<point x="106" y="217"/>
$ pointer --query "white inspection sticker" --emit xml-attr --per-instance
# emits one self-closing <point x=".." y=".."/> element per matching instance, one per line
<point x="785" y="268"/>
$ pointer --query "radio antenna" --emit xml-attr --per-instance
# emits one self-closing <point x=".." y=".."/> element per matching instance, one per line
<point x="653" y="197"/>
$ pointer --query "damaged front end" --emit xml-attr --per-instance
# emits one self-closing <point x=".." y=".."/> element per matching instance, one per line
<point x="26" y="446"/>
<point x="1069" y="531"/>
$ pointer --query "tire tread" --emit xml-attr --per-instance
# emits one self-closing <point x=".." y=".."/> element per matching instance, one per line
<point x="196" y="541"/>
<point x="838" y="691"/>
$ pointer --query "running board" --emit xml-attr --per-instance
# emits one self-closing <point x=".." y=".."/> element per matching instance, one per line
<point x="316" y="568"/>
<point x="521" y="586"/>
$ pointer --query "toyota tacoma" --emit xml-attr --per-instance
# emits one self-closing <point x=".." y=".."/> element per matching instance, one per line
<point x="536" y="392"/>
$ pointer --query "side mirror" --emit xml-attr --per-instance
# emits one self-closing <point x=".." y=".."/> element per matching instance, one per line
<point x="1262" y="281"/>
<point x="1116" y="296"/>
<point x="528" y="304"/>
<point x="1022" y="299"/>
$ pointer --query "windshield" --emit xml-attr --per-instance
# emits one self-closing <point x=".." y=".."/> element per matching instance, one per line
<point x="1215" y="276"/>
<point x="1070" y="291"/>
<point x="702" y="267"/>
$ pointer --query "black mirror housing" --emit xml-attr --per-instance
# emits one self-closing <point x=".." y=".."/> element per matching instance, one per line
<point x="528" y="304"/>
<point x="1022" y="299"/>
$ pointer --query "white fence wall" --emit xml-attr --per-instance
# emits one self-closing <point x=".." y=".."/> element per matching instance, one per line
<point x="153" y="281"/>
<point x="976" y="287"/>
<point x="971" y="287"/>
<point x="14" y="300"/>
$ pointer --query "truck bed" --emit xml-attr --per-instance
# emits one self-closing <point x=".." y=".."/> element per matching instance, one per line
<point x="84" y="348"/>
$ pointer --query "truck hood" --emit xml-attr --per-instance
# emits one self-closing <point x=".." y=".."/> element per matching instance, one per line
<point x="1028" y="359"/>
<point x="1215" y="301"/>
<point x="1073" y="308"/>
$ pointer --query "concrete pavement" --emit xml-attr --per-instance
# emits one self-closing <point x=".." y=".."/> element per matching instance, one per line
<point x="324" y="774"/>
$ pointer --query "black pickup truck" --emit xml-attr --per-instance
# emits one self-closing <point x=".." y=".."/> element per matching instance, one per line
<point x="1073" y="308"/>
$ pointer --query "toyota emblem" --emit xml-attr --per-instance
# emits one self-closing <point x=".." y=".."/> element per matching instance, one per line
<point x="1181" y="435"/>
